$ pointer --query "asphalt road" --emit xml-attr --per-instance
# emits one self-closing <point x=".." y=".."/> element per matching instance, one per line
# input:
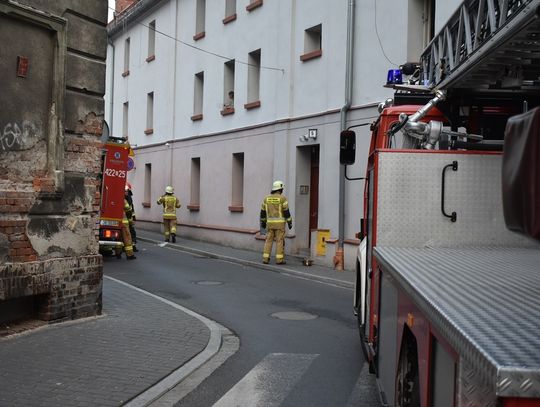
<point x="299" y="343"/>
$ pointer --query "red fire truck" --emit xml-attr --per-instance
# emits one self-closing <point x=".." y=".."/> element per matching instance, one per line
<point x="447" y="297"/>
<point x="115" y="168"/>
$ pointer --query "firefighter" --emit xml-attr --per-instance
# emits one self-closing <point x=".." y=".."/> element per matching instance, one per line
<point x="131" y="216"/>
<point x="274" y="214"/>
<point x="126" y="235"/>
<point x="170" y="204"/>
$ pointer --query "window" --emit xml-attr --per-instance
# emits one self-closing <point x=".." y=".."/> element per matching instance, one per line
<point x="312" y="43"/>
<point x="200" y="20"/>
<point x="230" y="11"/>
<point x="198" y="97"/>
<point x="149" y="113"/>
<point x="194" y="202"/>
<point x="237" y="195"/>
<point x="126" y="58"/>
<point x="125" y="120"/>
<point x="253" y="4"/>
<point x="147" y="185"/>
<point x="421" y="27"/>
<point x="228" y="87"/>
<point x="254" y="77"/>
<point x="151" y="41"/>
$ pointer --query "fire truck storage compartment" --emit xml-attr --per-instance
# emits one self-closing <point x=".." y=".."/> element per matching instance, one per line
<point x="409" y="192"/>
<point x="482" y="300"/>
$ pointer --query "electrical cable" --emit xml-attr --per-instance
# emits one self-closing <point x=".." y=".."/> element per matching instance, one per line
<point x="379" y="38"/>
<point x="207" y="52"/>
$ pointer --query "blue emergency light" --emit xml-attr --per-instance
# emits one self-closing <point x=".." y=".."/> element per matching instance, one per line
<point x="394" y="77"/>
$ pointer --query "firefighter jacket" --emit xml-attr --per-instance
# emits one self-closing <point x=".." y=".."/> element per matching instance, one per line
<point x="130" y="213"/>
<point x="127" y="212"/>
<point x="275" y="211"/>
<point x="170" y="204"/>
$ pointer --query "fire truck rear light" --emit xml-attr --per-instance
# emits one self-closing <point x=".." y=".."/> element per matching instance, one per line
<point x="108" y="234"/>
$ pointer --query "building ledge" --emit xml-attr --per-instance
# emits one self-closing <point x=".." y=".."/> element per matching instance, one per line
<point x="253" y="5"/>
<point x="194" y="208"/>
<point x="311" y="55"/>
<point x="252" y="105"/>
<point x="236" y="208"/>
<point x="258" y="236"/>
<point x="220" y="227"/>
<point x="229" y="19"/>
<point x="199" y="36"/>
<point x="150" y="58"/>
<point x="196" y="117"/>
<point x="227" y="111"/>
<point x="354" y="242"/>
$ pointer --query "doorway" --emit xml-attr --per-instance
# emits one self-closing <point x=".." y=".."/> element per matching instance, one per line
<point x="307" y="193"/>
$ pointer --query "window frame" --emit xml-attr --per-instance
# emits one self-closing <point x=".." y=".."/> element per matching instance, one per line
<point x="151" y="41"/>
<point x="254" y="80"/>
<point x="195" y="185"/>
<point x="149" y="113"/>
<point x="312" y="43"/>
<point x="127" y="56"/>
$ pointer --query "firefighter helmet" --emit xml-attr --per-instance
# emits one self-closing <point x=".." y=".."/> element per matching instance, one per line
<point x="169" y="190"/>
<point x="277" y="185"/>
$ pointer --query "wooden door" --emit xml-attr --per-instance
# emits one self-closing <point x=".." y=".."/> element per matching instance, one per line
<point x="314" y="191"/>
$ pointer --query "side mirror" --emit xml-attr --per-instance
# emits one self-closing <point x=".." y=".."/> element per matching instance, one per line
<point x="347" y="147"/>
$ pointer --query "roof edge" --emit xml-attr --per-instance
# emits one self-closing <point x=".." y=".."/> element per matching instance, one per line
<point x="130" y="15"/>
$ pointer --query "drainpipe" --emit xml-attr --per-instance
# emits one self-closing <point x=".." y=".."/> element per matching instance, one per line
<point x="111" y="102"/>
<point x="339" y="258"/>
<point x="175" y="67"/>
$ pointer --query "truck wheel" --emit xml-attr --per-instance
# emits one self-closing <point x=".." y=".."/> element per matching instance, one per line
<point x="407" y="380"/>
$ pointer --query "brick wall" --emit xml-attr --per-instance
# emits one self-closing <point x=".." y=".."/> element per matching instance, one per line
<point x="50" y="157"/>
<point x="121" y="5"/>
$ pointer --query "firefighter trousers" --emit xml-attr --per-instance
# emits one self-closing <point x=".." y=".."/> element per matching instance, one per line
<point x="169" y="227"/>
<point x="275" y="232"/>
<point x="126" y="239"/>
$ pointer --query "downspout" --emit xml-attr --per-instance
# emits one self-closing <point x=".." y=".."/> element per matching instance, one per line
<point x="339" y="258"/>
<point x="111" y="101"/>
<point x="175" y="67"/>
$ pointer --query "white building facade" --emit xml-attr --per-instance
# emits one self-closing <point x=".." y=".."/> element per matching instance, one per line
<point x="171" y="65"/>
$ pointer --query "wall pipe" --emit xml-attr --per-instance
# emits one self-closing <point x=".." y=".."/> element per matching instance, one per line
<point x="339" y="258"/>
<point x="111" y="101"/>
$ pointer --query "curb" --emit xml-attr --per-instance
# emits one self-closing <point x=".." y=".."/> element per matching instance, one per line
<point x="275" y="269"/>
<point x="169" y="382"/>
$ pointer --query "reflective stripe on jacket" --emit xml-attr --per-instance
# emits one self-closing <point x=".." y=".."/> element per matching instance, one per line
<point x="127" y="209"/>
<point x="170" y="204"/>
<point x="276" y="207"/>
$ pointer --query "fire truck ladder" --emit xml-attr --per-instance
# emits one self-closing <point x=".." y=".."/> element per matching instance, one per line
<point x="486" y="44"/>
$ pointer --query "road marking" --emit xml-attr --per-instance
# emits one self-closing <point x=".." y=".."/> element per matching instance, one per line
<point x="268" y="383"/>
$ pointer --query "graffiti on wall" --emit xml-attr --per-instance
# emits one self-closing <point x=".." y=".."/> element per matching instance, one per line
<point x="19" y="136"/>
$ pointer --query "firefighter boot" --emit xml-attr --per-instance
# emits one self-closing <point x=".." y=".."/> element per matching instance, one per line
<point x="173" y="237"/>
